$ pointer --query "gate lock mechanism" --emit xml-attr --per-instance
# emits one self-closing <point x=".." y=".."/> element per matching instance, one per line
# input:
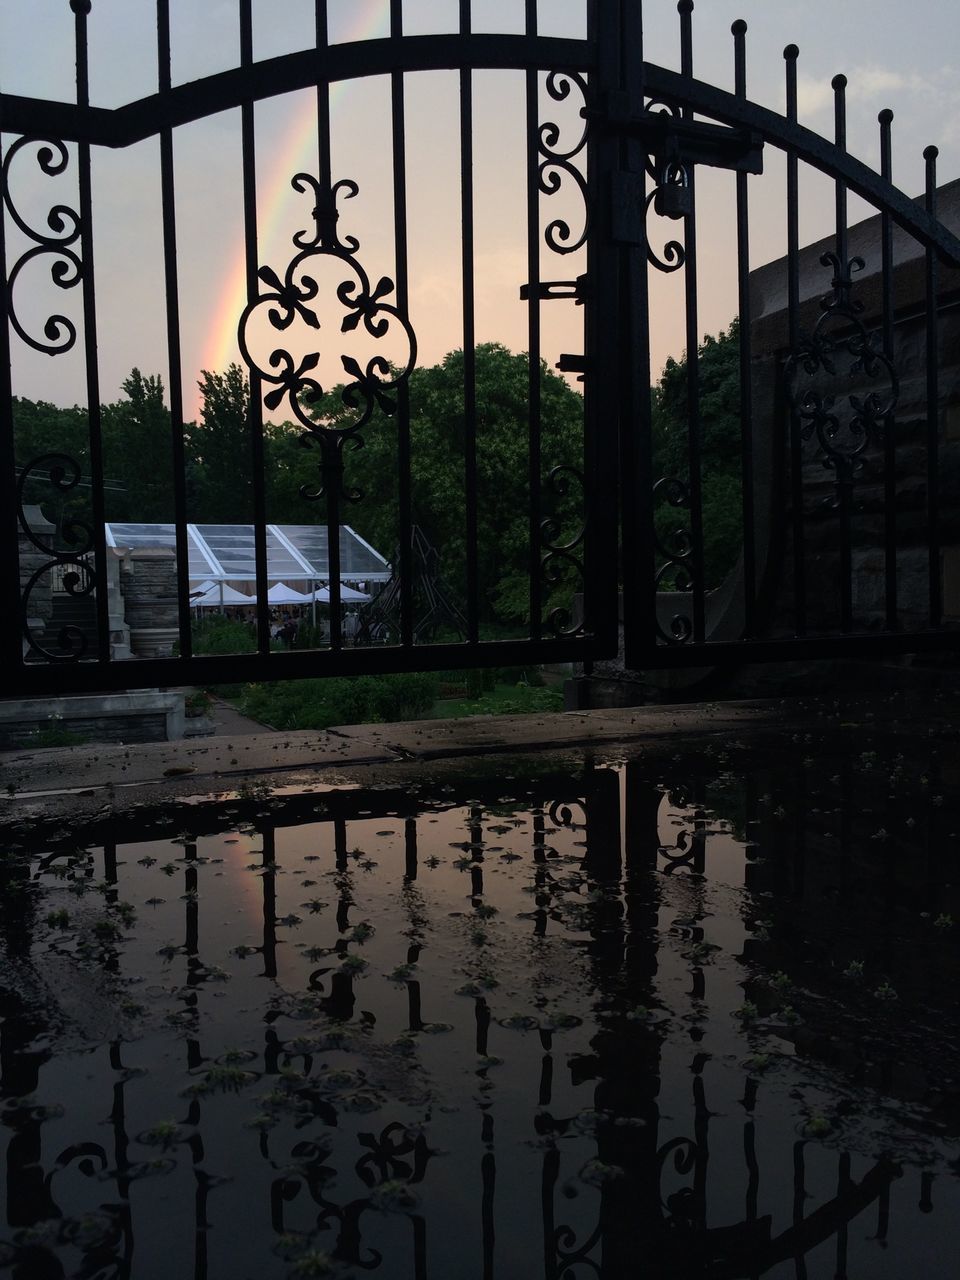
<point x="673" y="198"/>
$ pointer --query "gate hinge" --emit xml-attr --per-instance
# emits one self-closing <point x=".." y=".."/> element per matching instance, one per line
<point x="687" y="142"/>
<point x="573" y="364"/>
<point x="548" y="290"/>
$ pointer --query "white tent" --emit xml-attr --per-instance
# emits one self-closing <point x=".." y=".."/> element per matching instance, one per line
<point x="211" y="595"/>
<point x="280" y="593"/>
<point x="347" y="595"/>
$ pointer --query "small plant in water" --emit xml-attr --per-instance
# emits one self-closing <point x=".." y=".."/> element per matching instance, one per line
<point x="312" y="1265"/>
<point x="353" y="964"/>
<point x="943" y="921"/>
<point x="885" y="992"/>
<point x="519" y="1022"/>
<point x="596" y="1172"/>
<point x="854" y="970"/>
<point x="701" y="952"/>
<point x="106" y="932"/>
<point x="166" y="1134"/>
<point x="758" y="1062"/>
<point x="392" y="1197"/>
<point x="221" y="1079"/>
<point x="817" y="1125"/>
<point x="748" y="1011"/>
<point x="59" y="919"/>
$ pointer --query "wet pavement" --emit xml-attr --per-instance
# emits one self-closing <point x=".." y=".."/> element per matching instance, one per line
<point x="668" y="993"/>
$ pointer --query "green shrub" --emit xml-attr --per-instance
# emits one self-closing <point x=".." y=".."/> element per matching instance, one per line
<point x="527" y="701"/>
<point x="317" y="704"/>
<point x="217" y="634"/>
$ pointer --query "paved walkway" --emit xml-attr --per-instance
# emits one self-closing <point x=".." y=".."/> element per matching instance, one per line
<point x="228" y="720"/>
<point x="99" y="778"/>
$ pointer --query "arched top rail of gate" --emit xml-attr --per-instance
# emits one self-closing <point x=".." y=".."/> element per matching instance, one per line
<point x="183" y="104"/>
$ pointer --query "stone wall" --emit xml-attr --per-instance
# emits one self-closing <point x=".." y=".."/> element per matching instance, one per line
<point x="145" y="715"/>
<point x="148" y="581"/>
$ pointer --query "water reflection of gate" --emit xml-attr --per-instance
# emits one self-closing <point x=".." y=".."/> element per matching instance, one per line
<point x="658" y="1206"/>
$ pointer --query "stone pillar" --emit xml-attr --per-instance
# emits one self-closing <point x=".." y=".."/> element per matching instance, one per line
<point x="148" y="581"/>
<point x="119" y="630"/>
<point x="40" y="601"/>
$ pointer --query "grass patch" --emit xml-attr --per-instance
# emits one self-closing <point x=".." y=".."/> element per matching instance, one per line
<point x="501" y="700"/>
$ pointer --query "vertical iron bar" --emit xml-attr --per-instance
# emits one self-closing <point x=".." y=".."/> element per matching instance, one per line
<point x="753" y="1170"/>
<point x="620" y="335"/>
<point x="332" y="456"/>
<point x="324" y="174"/>
<point x="269" y="882"/>
<point x="255" y="410"/>
<point x="169" y="222"/>
<point x="799" y="1196"/>
<point x="488" y="1177"/>
<point x="469" y="333"/>
<point x="404" y="445"/>
<point x="844" y="1183"/>
<point x="844" y="466"/>
<point x="889" y="424"/>
<point x="11" y="635"/>
<point x="410" y="850"/>
<point x="694" y="426"/>
<point x="739" y="29"/>
<point x="81" y="9"/>
<point x="533" y="332"/>
<point x="790" y="54"/>
<point x="933" y="399"/>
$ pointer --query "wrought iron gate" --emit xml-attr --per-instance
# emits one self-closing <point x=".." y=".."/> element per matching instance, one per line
<point x="846" y="538"/>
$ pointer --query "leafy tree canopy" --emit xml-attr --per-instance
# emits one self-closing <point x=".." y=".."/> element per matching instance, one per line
<point x="718" y="363"/>
<point x="438" y="449"/>
<point x="219" y="448"/>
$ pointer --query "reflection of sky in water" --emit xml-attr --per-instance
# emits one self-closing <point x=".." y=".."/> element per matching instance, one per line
<point x="458" y="1035"/>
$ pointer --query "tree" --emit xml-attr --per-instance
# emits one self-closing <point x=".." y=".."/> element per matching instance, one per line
<point x="719" y="395"/>
<point x="40" y="429"/>
<point x="219" y="447"/>
<point x="138" y="452"/>
<point x="438" y="474"/>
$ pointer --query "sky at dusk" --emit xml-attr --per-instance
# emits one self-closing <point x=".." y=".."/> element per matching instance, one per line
<point x="903" y="56"/>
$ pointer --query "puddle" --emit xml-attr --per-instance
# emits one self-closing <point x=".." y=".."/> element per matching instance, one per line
<point x="699" y="1011"/>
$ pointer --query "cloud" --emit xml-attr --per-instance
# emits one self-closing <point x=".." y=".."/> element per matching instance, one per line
<point x="883" y="86"/>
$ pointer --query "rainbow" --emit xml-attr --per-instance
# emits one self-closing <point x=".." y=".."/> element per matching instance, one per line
<point x="297" y="153"/>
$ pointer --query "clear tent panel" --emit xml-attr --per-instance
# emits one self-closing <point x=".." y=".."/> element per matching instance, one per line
<point x="227" y="552"/>
<point x="234" y="547"/>
<point x="359" y="562"/>
<point x="135" y="536"/>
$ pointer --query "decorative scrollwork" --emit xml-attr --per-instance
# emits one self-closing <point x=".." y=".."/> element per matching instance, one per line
<point x="62" y="231"/>
<point x="669" y="197"/>
<point x="385" y="1151"/>
<point x="558" y="165"/>
<point x="678" y="1208"/>
<point x="562" y="559"/>
<point x="690" y="848"/>
<point x="675" y="573"/>
<point x="569" y="1254"/>
<point x="77" y="575"/>
<point x="290" y="299"/>
<point x="562" y="813"/>
<point x="840" y="349"/>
